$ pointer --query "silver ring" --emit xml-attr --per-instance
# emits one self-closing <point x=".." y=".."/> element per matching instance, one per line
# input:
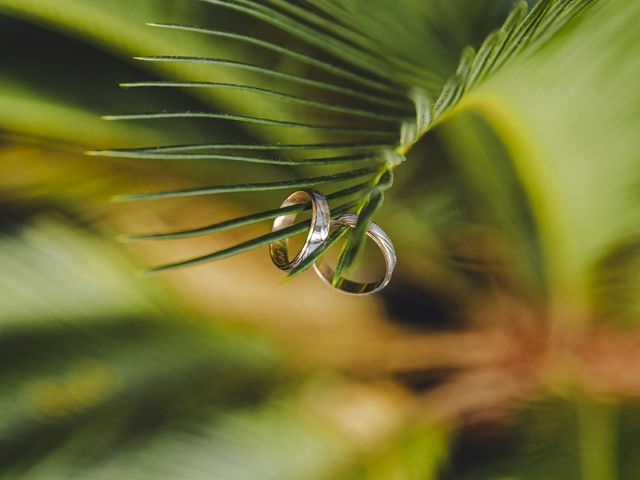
<point x="318" y="233"/>
<point x="361" y="288"/>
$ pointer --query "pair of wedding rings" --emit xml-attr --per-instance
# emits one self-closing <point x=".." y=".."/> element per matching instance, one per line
<point x="318" y="232"/>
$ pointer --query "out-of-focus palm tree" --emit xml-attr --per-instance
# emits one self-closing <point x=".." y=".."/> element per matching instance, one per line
<point x="503" y="141"/>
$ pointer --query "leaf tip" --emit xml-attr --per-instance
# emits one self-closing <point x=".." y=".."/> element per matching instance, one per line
<point x="100" y="153"/>
<point x="124" y="238"/>
<point x="118" y="199"/>
<point x="147" y="273"/>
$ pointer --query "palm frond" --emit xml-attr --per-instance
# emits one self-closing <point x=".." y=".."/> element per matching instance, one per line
<point x="333" y="129"/>
<point x="405" y="106"/>
<point x="263" y="91"/>
<point x="363" y="58"/>
<point x="251" y="187"/>
<point x="244" y="146"/>
<point x="261" y="241"/>
<point x="346" y="159"/>
<point x="358" y="189"/>
<point x="521" y="31"/>
<point x="285" y="52"/>
<point x="377" y="87"/>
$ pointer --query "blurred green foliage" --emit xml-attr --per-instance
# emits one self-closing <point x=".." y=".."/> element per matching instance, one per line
<point x="506" y="346"/>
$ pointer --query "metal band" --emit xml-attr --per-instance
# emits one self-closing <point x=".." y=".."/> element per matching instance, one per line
<point x="318" y="233"/>
<point x="357" y="288"/>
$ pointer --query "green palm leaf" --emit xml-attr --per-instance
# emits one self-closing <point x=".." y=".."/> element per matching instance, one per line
<point x="363" y="73"/>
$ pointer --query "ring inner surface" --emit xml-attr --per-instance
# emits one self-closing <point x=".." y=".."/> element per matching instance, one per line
<point x="279" y="249"/>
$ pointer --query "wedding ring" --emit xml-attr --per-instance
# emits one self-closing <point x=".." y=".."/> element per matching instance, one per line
<point x="361" y="288"/>
<point x="318" y="233"/>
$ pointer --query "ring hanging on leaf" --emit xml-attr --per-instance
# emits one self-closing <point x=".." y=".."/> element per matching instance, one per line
<point x="318" y="232"/>
<point x="361" y="288"/>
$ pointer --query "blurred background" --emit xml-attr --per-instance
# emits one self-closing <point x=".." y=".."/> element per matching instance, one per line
<point x="506" y="345"/>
